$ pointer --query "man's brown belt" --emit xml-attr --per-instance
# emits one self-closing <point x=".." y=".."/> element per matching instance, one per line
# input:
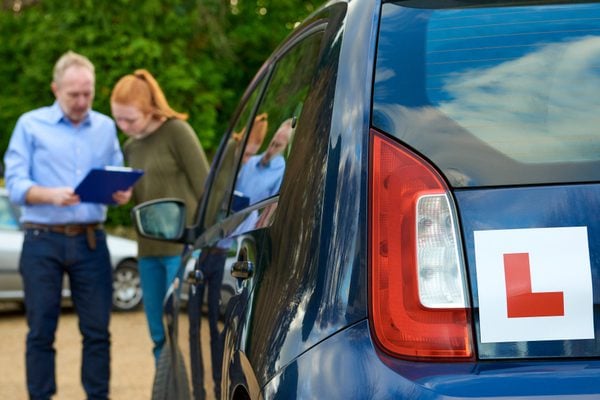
<point x="70" y="230"/>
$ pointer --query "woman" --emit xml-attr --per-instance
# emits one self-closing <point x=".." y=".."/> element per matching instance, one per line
<point x="166" y="147"/>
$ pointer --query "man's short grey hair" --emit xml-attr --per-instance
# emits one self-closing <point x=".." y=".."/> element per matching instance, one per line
<point x="70" y="59"/>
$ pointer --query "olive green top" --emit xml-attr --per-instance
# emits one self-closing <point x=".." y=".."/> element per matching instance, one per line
<point x="174" y="165"/>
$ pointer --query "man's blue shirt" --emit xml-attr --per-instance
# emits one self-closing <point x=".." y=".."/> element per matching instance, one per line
<point x="258" y="182"/>
<point x="46" y="149"/>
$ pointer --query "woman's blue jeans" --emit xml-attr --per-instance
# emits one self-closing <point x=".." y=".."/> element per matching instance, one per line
<point x="156" y="275"/>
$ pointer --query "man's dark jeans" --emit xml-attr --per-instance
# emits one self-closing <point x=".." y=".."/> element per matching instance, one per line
<point x="45" y="258"/>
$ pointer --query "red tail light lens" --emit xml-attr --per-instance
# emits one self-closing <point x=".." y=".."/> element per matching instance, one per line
<point x="418" y="301"/>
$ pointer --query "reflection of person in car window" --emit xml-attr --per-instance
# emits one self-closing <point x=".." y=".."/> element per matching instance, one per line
<point x="261" y="176"/>
<point x="217" y="205"/>
<point x="256" y="137"/>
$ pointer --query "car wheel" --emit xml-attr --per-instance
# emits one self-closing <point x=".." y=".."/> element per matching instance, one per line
<point x="127" y="290"/>
<point x="170" y="381"/>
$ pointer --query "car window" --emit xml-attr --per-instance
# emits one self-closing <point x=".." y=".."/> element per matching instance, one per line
<point x="217" y="203"/>
<point x="263" y="165"/>
<point x="522" y="95"/>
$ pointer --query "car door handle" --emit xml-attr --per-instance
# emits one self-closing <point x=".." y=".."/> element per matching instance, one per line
<point x="242" y="269"/>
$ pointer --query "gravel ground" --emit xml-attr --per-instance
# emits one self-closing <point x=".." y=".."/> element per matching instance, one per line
<point x="132" y="369"/>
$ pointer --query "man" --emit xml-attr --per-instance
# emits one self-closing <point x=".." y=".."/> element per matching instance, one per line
<point x="261" y="176"/>
<point x="50" y="151"/>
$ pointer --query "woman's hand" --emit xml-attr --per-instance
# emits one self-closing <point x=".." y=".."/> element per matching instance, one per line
<point x="122" y="196"/>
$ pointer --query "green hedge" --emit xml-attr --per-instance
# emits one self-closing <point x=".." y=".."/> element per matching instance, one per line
<point x="202" y="52"/>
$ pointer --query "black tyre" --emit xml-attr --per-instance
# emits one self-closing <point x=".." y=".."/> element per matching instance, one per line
<point x="127" y="289"/>
<point x="170" y="381"/>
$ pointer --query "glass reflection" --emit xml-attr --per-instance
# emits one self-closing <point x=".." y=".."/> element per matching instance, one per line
<point x="161" y="220"/>
<point x="261" y="176"/>
<point x="501" y="84"/>
<point x="218" y="201"/>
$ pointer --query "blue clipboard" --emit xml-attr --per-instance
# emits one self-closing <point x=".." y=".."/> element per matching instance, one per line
<point x="99" y="184"/>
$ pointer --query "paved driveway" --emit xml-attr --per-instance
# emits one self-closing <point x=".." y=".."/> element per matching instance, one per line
<point x="132" y="368"/>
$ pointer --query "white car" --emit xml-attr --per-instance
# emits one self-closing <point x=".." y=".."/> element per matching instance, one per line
<point x="127" y="292"/>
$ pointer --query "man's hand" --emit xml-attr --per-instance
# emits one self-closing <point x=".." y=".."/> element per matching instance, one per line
<point x="58" y="196"/>
<point x="123" y="196"/>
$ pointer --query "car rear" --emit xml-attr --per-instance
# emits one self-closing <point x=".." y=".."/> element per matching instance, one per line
<point x="484" y="191"/>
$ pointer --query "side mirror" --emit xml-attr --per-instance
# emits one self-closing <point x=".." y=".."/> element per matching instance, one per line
<point x="162" y="219"/>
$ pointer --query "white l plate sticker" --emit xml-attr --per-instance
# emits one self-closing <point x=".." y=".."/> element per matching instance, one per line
<point x="534" y="284"/>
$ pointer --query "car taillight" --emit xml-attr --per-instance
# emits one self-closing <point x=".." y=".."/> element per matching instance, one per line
<point x="419" y="307"/>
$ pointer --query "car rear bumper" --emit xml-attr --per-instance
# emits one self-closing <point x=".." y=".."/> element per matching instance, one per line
<point x="348" y="365"/>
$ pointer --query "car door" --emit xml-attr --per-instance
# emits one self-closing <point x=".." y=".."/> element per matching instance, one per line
<point x="243" y="200"/>
<point x="212" y="247"/>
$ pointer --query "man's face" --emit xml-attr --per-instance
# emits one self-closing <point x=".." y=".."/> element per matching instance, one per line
<point x="279" y="142"/>
<point x="75" y="93"/>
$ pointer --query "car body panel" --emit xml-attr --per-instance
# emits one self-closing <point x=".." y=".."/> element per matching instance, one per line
<point x="230" y="285"/>
<point x="529" y="210"/>
<point x="347" y="365"/>
<point x="318" y="290"/>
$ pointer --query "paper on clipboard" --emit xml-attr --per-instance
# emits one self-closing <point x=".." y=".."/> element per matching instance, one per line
<point x="99" y="184"/>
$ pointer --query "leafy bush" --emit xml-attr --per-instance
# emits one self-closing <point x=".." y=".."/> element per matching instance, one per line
<point x="203" y="53"/>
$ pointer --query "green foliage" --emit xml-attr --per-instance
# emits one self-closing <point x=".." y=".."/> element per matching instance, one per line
<point x="203" y="53"/>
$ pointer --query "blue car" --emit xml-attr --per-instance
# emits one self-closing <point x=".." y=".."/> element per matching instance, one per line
<point x="420" y="218"/>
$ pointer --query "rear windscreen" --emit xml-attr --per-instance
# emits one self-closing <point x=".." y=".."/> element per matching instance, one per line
<point x="494" y="95"/>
